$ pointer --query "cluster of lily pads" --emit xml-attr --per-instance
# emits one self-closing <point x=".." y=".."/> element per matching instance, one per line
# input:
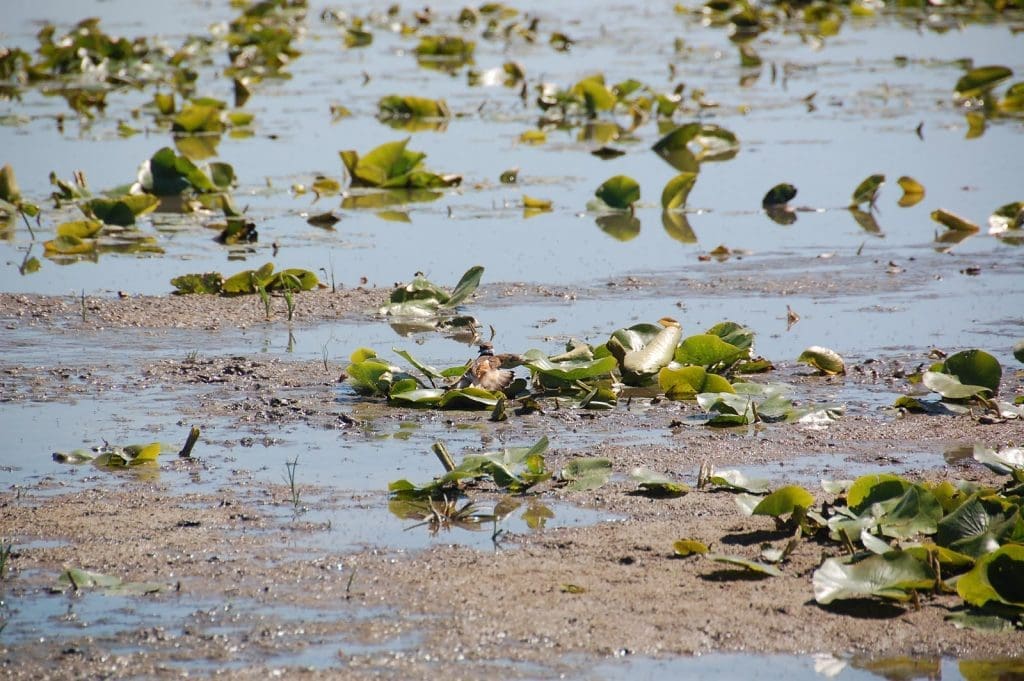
<point x="902" y="540"/>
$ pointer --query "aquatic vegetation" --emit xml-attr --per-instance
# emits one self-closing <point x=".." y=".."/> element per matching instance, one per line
<point x="392" y="165"/>
<point x="113" y="456"/>
<point x="264" y="279"/>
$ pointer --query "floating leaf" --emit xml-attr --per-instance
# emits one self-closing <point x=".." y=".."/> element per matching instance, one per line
<point x="69" y="245"/>
<point x="569" y="371"/>
<point x="981" y="80"/>
<point x="123" y="210"/>
<point x="595" y="94"/>
<point x="893" y="575"/>
<point x="211" y="282"/>
<point x="585" y="474"/>
<point x="689" y="547"/>
<point x="779" y="195"/>
<point x="395" y="106"/>
<point x="619" y="192"/>
<point x="997" y="577"/>
<point x="954" y="222"/>
<point x="79" y="229"/>
<point x="712" y="143"/>
<point x="823" y="359"/>
<point x="867" y="191"/>
<point x="534" y="204"/>
<point x="871" y="489"/>
<point x="708" y="350"/>
<point x="913" y="191"/>
<point x="676" y="191"/>
<point x="658" y="485"/>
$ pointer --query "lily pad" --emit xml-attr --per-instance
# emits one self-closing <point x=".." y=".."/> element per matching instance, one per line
<point x="736" y="481"/>
<point x="867" y="191"/>
<point x="685" y="383"/>
<point x="913" y="191"/>
<point x="619" y="192"/>
<point x="950" y="387"/>
<point x="979" y="81"/>
<point x="779" y="195"/>
<point x="710" y="351"/>
<point x="784" y="501"/>
<point x="396" y="106"/>
<point x="975" y="367"/>
<point x="954" y="222"/>
<point x="894" y="576"/>
<point x="122" y="210"/>
<point x="676" y="191"/>
<point x="826" y="361"/>
<point x="997" y="577"/>
<point x="689" y="547"/>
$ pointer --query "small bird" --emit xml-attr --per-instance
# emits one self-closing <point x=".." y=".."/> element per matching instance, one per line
<point x="489" y="371"/>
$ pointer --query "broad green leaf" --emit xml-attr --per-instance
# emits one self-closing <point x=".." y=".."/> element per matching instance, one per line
<point x="784" y="501"/>
<point x="469" y="398"/>
<point x="975" y="367"/>
<point x="198" y="118"/>
<point x="656" y="484"/>
<point x="80" y="229"/>
<point x="983" y="670"/>
<point x="370" y="376"/>
<point x="711" y="142"/>
<point x="445" y="47"/>
<point x="685" y="383"/>
<point x="871" y="489"/>
<point x="734" y="334"/>
<point x="708" y="350"/>
<point x="997" y="577"/>
<point x="676" y="191"/>
<point x="69" y="245"/>
<point x="950" y="387"/>
<point x="968" y="529"/>
<point x="746" y="564"/>
<point x="210" y="283"/>
<point x="395" y="106"/>
<point x="123" y="210"/>
<point x="467" y="285"/>
<point x="867" y="191"/>
<point x="426" y="370"/>
<point x="143" y="453"/>
<point x="981" y="80"/>
<point x="916" y="512"/>
<point x="823" y="359"/>
<point x="689" y="547"/>
<point x="619" y="192"/>
<point x="569" y="371"/>
<point x="779" y="195"/>
<point x="584" y="474"/>
<point x="893" y="575"/>
<point x="595" y="94"/>
<point x="913" y="191"/>
<point x="954" y="222"/>
<point x="951" y="561"/>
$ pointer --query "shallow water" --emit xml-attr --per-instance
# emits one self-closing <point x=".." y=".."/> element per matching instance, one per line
<point x="873" y="85"/>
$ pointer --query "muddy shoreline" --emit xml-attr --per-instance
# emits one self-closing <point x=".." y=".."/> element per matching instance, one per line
<point x="536" y="602"/>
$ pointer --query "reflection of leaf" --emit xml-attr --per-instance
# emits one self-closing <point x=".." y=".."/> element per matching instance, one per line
<point x="866" y="220"/>
<point x="893" y="575"/>
<point x="678" y="227"/>
<point x="621" y="226"/>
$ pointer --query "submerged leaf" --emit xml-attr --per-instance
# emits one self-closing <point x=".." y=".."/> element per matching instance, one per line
<point x="585" y="474"/>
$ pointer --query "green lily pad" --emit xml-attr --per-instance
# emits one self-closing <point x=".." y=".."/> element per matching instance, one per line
<point x="975" y="367"/>
<point x="874" y="488"/>
<point x="950" y="387"/>
<point x="784" y="501"/>
<point x="685" y="383"/>
<point x="914" y="513"/>
<point x="867" y="191"/>
<point x="997" y="577"/>
<point x="913" y="191"/>
<point x="893" y="575"/>
<point x="970" y="529"/>
<point x="211" y="283"/>
<point x="676" y="191"/>
<point x="779" y="195"/>
<point x="585" y="474"/>
<point x="656" y="484"/>
<point x="395" y="106"/>
<point x="595" y="94"/>
<point x="569" y="371"/>
<point x="79" y="229"/>
<point x="710" y="351"/>
<point x="69" y="245"/>
<point x="954" y="222"/>
<point x="823" y="359"/>
<point x="981" y="80"/>
<point x="709" y="142"/>
<point x="122" y="210"/>
<point x="619" y="192"/>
